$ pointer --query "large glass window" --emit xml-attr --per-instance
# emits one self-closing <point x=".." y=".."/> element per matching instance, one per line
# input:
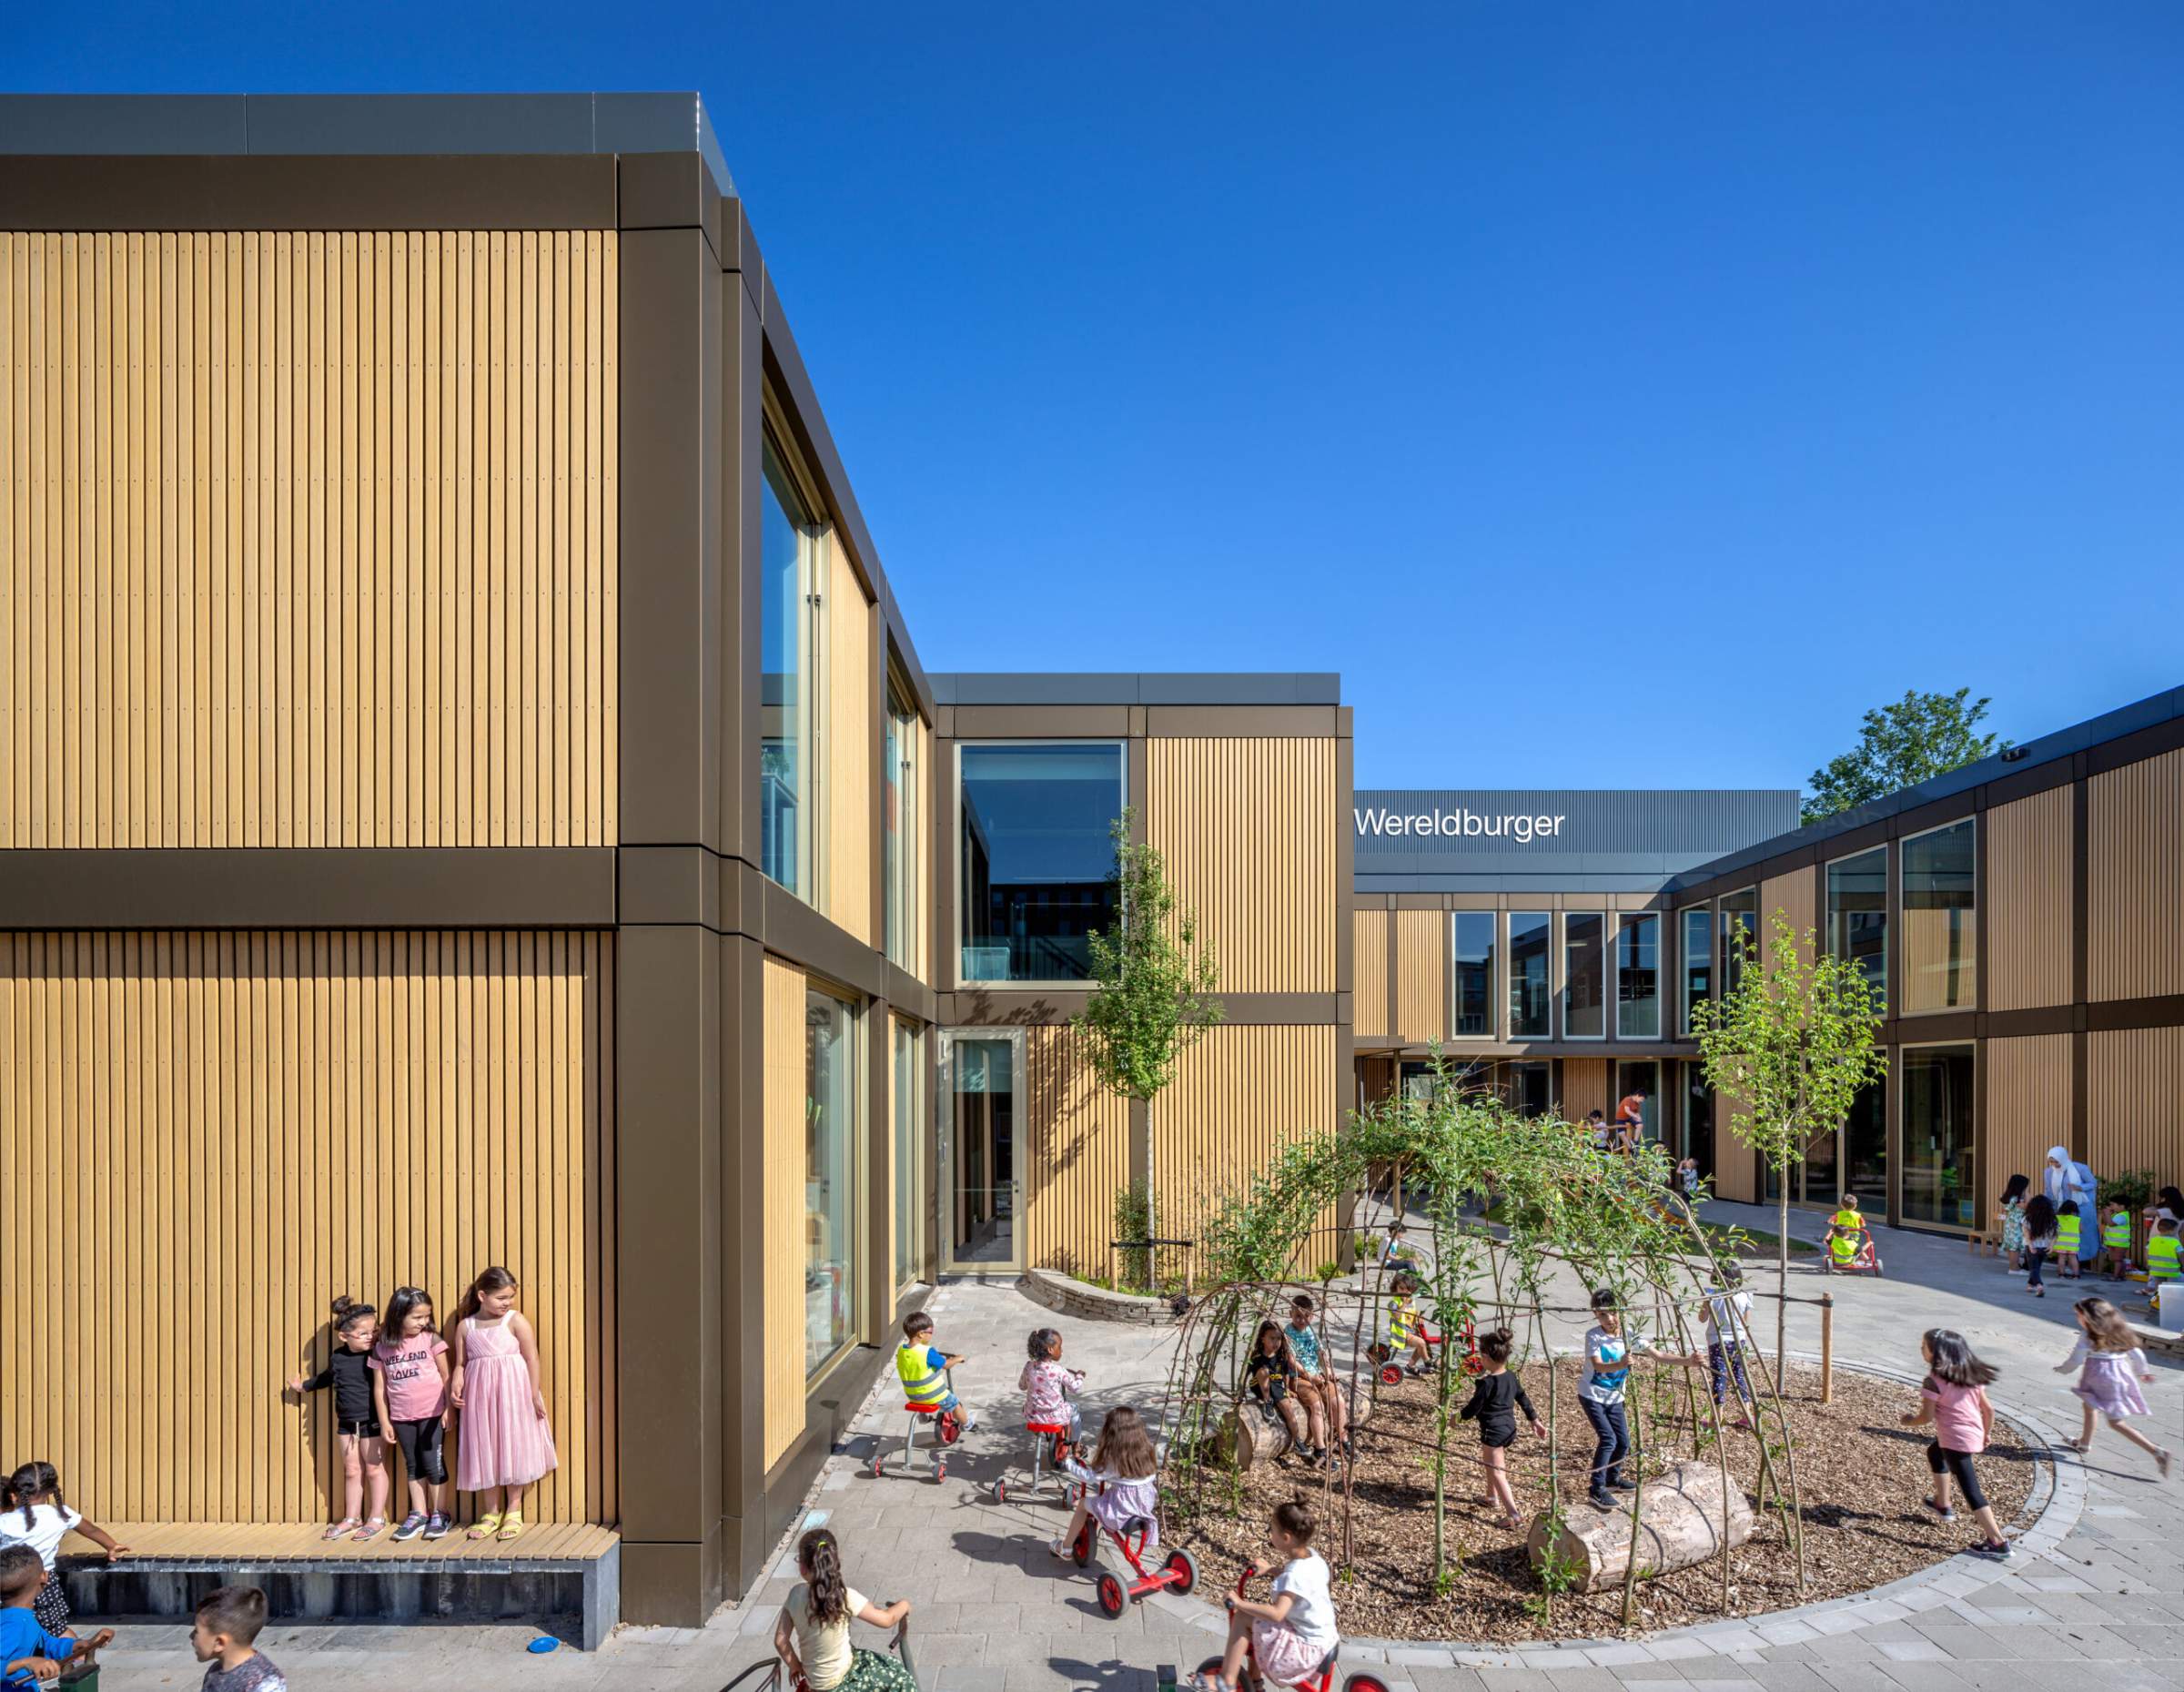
<point x="1584" y="974"/>
<point x="901" y="830"/>
<point x="1638" y="979"/>
<point x="1697" y="980"/>
<point x="1530" y="1089"/>
<point x="1866" y="1149"/>
<point x="908" y="1095"/>
<point x="1938" y="1176"/>
<point x="1531" y="989"/>
<point x="1038" y="855"/>
<point x="1941" y="946"/>
<point x="785" y="684"/>
<point x="983" y="1077"/>
<point x="830" y="1177"/>
<point x="1740" y="915"/>
<point x="1698" y="1117"/>
<point x="1857" y="915"/>
<point x="1474" y="973"/>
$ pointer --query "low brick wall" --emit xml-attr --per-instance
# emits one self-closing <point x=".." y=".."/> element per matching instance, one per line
<point x="1071" y="1297"/>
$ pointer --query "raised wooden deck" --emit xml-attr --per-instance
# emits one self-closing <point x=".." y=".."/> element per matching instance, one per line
<point x="300" y="1541"/>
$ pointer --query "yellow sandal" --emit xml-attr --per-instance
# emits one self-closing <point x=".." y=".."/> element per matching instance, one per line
<point x="486" y="1526"/>
<point x="511" y="1524"/>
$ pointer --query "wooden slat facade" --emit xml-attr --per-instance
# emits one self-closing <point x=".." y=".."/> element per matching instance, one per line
<point x="1249" y="828"/>
<point x="308" y="540"/>
<point x="1585" y="1086"/>
<point x="1796" y="896"/>
<point x="2029" y="894"/>
<point x="1075" y="1145"/>
<point x="783" y="1160"/>
<point x="2027" y="1110"/>
<point x="225" y="1130"/>
<point x="2134" y="861"/>
<point x="851" y="716"/>
<point x="2132" y="1078"/>
<point x="1368" y="973"/>
<point x="1422" y="976"/>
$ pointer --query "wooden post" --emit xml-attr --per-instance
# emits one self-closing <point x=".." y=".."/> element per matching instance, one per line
<point x="1827" y="1348"/>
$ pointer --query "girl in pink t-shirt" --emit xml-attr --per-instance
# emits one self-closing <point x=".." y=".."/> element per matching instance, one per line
<point x="1048" y="1387"/>
<point x="410" y="1381"/>
<point x="1953" y="1399"/>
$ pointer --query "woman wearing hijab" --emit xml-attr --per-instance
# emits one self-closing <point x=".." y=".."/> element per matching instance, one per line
<point x="2066" y="1178"/>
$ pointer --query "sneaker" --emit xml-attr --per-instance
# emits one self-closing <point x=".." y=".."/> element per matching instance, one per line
<point x="412" y="1525"/>
<point x="1945" y="1513"/>
<point x="437" y="1525"/>
<point x="1602" y="1502"/>
<point x="2002" y="1553"/>
<point x="1623" y="1486"/>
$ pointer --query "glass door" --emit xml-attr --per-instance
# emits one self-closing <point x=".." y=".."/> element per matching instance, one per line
<point x="981" y="1081"/>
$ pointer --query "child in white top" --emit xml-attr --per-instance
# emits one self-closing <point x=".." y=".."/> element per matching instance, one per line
<point x="1288" y="1637"/>
<point x="2111" y="1371"/>
<point x="33" y="1512"/>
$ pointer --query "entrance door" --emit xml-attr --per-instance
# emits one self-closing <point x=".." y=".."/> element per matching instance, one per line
<point x="981" y="1084"/>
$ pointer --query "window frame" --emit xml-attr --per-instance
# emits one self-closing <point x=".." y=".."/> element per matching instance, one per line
<point x="899" y="1029"/>
<point x="858" y="1227"/>
<point x="902" y="911"/>
<point x="1721" y="950"/>
<point x="814" y="558"/>
<point x="1508" y="973"/>
<point x="1898" y="911"/>
<point x="955" y="943"/>
<point x="1827" y="915"/>
<point x="1898" y="1099"/>
<point x="1683" y="998"/>
<point x="1494" y="976"/>
<point x="1622" y="920"/>
<point x="1607" y="973"/>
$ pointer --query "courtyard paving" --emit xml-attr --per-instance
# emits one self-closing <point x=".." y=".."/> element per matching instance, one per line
<point x="2093" y="1602"/>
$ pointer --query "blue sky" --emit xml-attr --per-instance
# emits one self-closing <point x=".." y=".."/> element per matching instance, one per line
<point x="1616" y="395"/>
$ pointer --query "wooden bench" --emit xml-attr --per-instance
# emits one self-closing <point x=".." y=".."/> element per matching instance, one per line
<point x="564" y="1578"/>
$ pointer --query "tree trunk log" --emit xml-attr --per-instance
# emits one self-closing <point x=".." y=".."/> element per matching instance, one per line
<point x="1245" y="1436"/>
<point x="1679" y="1524"/>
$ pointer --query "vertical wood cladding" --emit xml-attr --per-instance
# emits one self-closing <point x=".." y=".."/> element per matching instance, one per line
<point x="850" y="721"/>
<point x="308" y="538"/>
<point x="2028" y="895"/>
<point x="2135" y="879"/>
<point x="2130" y="1104"/>
<point x="1735" y="1169"/>
<point x="1369" y="972"/>
<point x="2027" y="1110"/>
<point x="224" y="1130"/>
<point x="1249" y="827"/>
<point x="1584" y="1087"/>
<point x="1796" y="897"/>
<point x="1075" y="1142"/>
<point x="1239" y="1095"/>
<point x="1422" y="976"/>
<point x="783" y="1160"/>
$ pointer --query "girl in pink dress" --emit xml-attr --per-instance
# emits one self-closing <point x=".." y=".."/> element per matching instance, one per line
<point x="504" y="1440"/>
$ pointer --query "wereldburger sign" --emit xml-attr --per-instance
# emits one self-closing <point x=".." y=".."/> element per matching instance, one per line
<point x="1522" y="826"/>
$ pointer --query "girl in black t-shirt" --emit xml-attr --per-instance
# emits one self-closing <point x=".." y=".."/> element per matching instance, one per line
<point x="356" y="1417"/>
<point x="1496" y="1397"/>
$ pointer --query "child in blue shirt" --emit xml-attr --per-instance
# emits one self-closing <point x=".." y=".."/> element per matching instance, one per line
<point x="23" y="1642"/>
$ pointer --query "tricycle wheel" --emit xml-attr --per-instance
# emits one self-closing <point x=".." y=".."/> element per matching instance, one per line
<point x="1364" y="1683"/>
<point x="940" y="1472"/>
<point x="1391" y="1375"/>
<point x="1110" y="1591"/>
<point x="879" y="1459"/>
<point x="1000" y="1492"/>
<point x="1080" y="1548"/>
<point x="1184" y="1567"/>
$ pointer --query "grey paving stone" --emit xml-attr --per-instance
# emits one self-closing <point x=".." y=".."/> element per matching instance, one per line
<point x="1635" y="1674"/>
<point x="1914" y="1651"/>
<point x="1583" y="1678"/>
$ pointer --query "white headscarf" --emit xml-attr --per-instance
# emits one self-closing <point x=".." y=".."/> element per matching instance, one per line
<point x="2072" y="1180"/>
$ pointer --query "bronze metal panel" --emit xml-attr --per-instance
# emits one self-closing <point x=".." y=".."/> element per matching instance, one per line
<point x="2164" y="1010"/>
<point x="673" y="1583"/>
<point x="2040" y="1020"/>
<point x="327" y="191"/>
<point x="670" y="885"/>
<point x="796" y="931"/>
<point x="1241" y="722"/>
<point x="1042" y="721"/>
<point x="672" y="191"/>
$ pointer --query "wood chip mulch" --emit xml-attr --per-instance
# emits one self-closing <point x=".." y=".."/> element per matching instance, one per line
<point x="1861" y="1474"/>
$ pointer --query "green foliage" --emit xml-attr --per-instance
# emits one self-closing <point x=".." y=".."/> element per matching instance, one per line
<point x="2132" y="1189"/>
<point x="1152" y="974"/>
<point x="1134" y="1221"/>
<point x="1920" y="736"/>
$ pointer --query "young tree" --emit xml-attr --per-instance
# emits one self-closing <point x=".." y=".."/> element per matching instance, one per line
<point x="1920" y="736"/>
<point x="1787" y="1050"/>
<point x="1153" y="979"/>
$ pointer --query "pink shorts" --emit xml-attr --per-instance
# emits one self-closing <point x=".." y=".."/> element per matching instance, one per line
<point x="1284" y="1654"/>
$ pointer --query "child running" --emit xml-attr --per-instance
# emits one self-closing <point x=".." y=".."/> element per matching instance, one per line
<point x="1271" y="1379"/>
<point x="1953" y="1399"/>
<point x="30" y="1654"/>
<point x="2111" y="1368"/>
<point x="2039" y="1241"/>
<point x="1048" y="1387"/>
<point x="1118" y="1483"/>
<point x="409" y="1372"/>
<point x="228" y="1621"/>
<point x="1496" y="1397"/>
<point x="1289" y="1637"/>
<point x="812" y="1633"/>
<point x="2010" y="1208"/>
<point x="33" y="1512"/>
<point x="356" y="1419"/>
<point x="924" y="1369"/>
<point x="507" y="1443"/>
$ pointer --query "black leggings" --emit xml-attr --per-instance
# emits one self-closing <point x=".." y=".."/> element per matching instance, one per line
<point x="1958" y="1464"/>
<point x="421" y="1443"/>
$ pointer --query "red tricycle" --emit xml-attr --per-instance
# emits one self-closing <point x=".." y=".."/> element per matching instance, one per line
<point x="947" y="1428"/>
<point x="1862" y="1259"/>
<point x="1180" y="1573"/>
<point x="1050" y="1451"/>
<point x="1391" y="1360"/>
<point x="1322" y="1679"/>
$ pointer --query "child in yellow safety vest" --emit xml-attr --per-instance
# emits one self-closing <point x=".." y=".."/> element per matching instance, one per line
<point x="1846" y="1228"/>
<point x="1407" y="1326"/>
<point x="2069" y="1237"/>
<point x="2164" y="1259"/>
<point x="924" y="1372"/>
<point x="2114" y="1241"/>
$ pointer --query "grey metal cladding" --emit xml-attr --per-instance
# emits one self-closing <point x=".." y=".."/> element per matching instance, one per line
<point x="1124" y="688"/>
<point x="1614" y="833"/>
<point x="364" y="124"/>
<point x="659" y="123"/>
<point x="95" y="124"/>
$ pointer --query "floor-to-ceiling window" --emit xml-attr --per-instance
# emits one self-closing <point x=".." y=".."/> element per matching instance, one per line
<point x="1697" y="977"/>
<point x="1941" y="947"/>
<point x="1531" y="1088"/>
<point x="1038" y="855"/>
<point x="1638" y="977"/>
<point x="1866" y="1149"/>
<point x="1638" y="1094"/>
<point x="1530" y="975"/>
<point x="1936" y="1182"/>
<point x="983" y="1074"/>
<point x="902" y="832"/>
<point x="830" y="1177"/>
<point x="1472" y="937"/>
<point x="1857" y="915"/>
<point x="787" y="542"/>
<point x="1698" y="1117"/>
<point x="908" y="1096"/>
<point x="1584" y="974"/>
<point x="1740" y="916"/>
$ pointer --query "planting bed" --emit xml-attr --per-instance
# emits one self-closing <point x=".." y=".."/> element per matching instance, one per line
<point x="1861" y="1474"/>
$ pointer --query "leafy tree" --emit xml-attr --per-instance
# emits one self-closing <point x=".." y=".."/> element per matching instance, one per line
<point x="1918" y="737"/>
<point x="1787" y="1050"/>
<point x="1153" y="977"/>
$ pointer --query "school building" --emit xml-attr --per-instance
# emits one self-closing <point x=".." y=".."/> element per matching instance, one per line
<point x="470" y="795"/>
